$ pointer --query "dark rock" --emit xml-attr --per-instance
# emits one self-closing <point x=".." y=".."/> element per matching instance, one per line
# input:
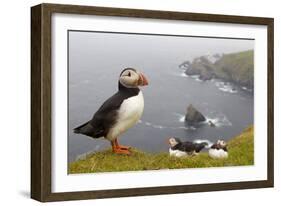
<point x="185" y="64"/>
<point x="205" y="75"/>
<point x="202" y="67"/>
<point x="193" y="116"/>
<point x="211" y="123"/>
<point x="192" y="71"/>
<point x="217" y="56"/>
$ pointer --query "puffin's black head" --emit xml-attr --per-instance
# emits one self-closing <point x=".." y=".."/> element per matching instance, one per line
<point x="131" y="78"/>
<point x="173" y="141"/>
<point x="222" y="144"/>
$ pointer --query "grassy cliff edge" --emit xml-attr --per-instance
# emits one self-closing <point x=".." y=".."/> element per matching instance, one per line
<point x="240" y="148"/>
<point x="237" y="68"/>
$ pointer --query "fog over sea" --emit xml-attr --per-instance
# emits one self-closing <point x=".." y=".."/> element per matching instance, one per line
<point x="96" y="60"/>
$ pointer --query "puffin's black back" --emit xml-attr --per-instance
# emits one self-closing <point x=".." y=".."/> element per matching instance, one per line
<point x="216" y="146"/>
<point x="107" y="114"/>
<point x="189" y="146"/>
<point x="200" y="146"/>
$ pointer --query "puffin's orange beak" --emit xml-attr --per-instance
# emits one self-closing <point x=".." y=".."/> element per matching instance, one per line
<point x="167" y="141"/>
<point x="142" y="80"/>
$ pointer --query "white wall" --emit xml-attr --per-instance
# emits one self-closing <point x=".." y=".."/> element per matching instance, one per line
<point x="15" y="103"/>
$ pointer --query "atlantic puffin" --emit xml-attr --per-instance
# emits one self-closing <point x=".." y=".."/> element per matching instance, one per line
<point x="182" y="149"/>
<point x="118" y="113"/>
<point x="218" y="150"/>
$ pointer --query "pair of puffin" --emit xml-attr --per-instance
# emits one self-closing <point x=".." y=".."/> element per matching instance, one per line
<point x="183" y="149"/>
<point x="118" y="113"/>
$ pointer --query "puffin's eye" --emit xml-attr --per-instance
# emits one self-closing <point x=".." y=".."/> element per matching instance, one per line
<point x="129" y="74"/>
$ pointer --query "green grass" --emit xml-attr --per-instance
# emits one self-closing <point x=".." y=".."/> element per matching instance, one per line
<point x="237" y="67"/>
<point x="234" y="67"/>
<point x="241" y="152"/>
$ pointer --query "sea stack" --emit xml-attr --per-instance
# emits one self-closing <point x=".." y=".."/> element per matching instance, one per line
<point x="193" y="116"/>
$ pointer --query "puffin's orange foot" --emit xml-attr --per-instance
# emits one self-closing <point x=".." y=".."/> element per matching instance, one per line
<point x="124" y="147"/>
<point x="121" y="151"/>
<point x="118" y="146"/>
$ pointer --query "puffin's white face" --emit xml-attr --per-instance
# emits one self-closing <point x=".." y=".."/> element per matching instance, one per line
<point x="132" y="79"/>
<point x="172" y="141"/>
<point x="221" y="143"/>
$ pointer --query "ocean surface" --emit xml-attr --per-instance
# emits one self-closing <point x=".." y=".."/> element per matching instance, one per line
<point x="95" y="61"/>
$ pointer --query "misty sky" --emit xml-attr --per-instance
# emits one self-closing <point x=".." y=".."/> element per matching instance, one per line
<point x="107" y="48"/>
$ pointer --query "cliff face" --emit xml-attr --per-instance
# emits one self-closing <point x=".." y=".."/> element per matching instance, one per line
<point x="235" y="67"/>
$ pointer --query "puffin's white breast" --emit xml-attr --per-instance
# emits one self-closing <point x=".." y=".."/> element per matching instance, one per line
<point x="177" y="153"/>
<point x="128" y="115"/>
<point x="218" y="153"/>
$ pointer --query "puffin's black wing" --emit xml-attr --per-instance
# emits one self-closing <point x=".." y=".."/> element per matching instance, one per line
<point x="187" y="146"/>
<point x="215" y="146"/>
<point x="86" y="129"/>
<point x="191" y="146"/>
<point x="200" y="146"/>
<point x="104" y="118"/>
